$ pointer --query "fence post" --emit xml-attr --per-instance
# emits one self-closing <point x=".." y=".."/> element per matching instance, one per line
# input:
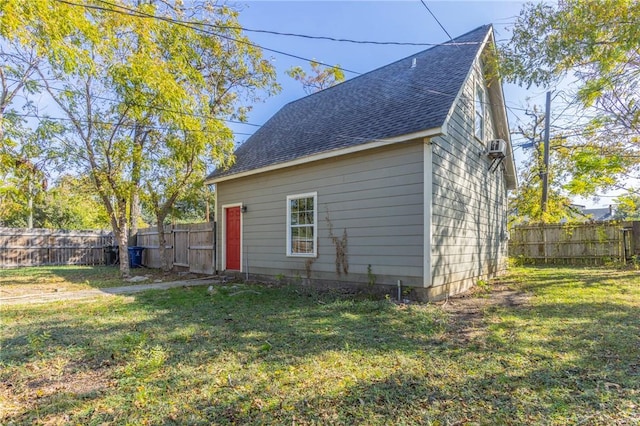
<point x="635" y="238"/>
<point x="215" y="248"/>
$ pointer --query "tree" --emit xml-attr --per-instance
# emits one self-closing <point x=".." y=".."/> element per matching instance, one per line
<point x="71" y="204"/>
<point x="628" y="207"/>
<point x="598" y="44"/>
<point x="145" y="87"/>
<point x="179" y="177"/>
<point x="17" y="66"/>
<point x="527" y="202"/>
<point x="25" y="166"/>
<point x="24" y="158"/>
<point x="66" y="204"/>
<point x="320" y="77"/>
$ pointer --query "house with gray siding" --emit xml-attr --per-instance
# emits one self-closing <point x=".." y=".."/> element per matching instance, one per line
<point x="399" y="175"/>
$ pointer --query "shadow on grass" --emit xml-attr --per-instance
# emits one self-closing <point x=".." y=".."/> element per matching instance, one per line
<point x="43" y="280"/>
<point x="257" y="355"/>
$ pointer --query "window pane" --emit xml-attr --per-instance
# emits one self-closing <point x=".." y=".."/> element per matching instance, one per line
<point x="302" y="226"/>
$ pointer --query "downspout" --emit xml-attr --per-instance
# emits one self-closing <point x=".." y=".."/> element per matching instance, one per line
<point x="427" y="211"/>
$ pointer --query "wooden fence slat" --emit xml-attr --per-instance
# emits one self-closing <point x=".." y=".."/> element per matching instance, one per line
<point x="37" y="247"/>
<point x="190" y="246"/>
<point x="584" y="243"/>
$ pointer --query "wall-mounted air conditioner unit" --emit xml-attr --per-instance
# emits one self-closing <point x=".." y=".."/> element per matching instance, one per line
<point x="497" y="148"/>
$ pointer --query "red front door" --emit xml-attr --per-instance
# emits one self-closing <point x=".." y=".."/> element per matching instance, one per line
<point x="232" y="235"/>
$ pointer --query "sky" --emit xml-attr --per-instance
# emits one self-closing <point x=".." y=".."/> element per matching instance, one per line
<point x="383" y="21"/>
<point x="397" y="21"/>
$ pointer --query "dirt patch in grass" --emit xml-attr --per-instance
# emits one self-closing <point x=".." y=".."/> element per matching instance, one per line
<point x="467" y="309"/>
<point x="54" y="279"/>
<point x="249" y="354"/>
<point x="53" y="389"/>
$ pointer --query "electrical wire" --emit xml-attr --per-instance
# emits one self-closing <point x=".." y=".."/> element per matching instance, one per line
<point x="288" y="34"/>
<point x="109" y="123"/>
<point x="135" y="13"/>
<point x="188" y="24"/>
<point x="437" y="20"/>
<point x="153" y="107"/>
<point x="176" y="22"/>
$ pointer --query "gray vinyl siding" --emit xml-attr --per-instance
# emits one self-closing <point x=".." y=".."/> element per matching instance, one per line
<point x="375" y="195"/>
<point x="469" y="203"/>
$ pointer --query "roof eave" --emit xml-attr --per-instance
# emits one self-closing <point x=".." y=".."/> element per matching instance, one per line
<point x="499" y="108"/>
<point x="378" y="143"/>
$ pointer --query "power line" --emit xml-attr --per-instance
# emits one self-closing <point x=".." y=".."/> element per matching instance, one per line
<point x="109" y="123"/>
<point x="154" y="107"/>
<point x="287" y="34"/>
<point x="195" y="25"/>
<point x="437" y="20"/>
<point x="188" y="24"/>
<point x="135" y="13"/>
<point x="177" y="22"/>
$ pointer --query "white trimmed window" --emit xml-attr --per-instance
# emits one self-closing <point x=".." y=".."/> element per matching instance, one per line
<point x="302" y="225"/>
<point x="480" y="111"/>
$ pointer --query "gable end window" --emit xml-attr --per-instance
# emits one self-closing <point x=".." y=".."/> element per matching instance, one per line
<point x="480" y="112"/>
<point x="302" y="225"/>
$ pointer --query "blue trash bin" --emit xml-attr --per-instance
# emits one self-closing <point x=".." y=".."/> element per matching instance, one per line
<point x="135" y="256"/>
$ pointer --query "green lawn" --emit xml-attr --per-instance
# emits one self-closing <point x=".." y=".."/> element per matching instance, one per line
<point x="285" y="355"/>
<point x="47" y="279"/>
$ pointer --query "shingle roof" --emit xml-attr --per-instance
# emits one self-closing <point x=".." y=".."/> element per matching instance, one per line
<point x="396" y="99"/>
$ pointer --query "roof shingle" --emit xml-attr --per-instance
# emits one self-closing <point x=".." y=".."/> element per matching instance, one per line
<point x="394" y="100"/>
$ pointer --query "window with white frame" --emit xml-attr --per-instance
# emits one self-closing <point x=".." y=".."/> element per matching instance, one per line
<point x="302" y="222"/>
<point x="480" y="111"/>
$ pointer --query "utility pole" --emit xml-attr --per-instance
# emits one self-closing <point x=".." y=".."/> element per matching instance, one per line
<point x="545" y="168"/>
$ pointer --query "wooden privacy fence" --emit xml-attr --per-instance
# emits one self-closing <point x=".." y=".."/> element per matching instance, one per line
<point x="581" y="243"/>
<point x="187" y="246"/>
<point x="36" y="247"/>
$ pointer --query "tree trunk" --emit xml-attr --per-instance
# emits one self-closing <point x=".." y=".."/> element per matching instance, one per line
<point x="139" y="138"/>
<point x="123" y="240"/>
<point x="162" y="242"/>
<point x="134" y="214"/>
<point x="30" y="206"/>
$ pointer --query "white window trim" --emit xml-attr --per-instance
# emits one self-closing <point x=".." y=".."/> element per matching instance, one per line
<point x="315" y="224"/>
<point x="480" y="86"/>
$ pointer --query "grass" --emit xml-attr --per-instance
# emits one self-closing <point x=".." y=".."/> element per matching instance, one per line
<point x="284" y="355"/>
<point x="46" y="279"/>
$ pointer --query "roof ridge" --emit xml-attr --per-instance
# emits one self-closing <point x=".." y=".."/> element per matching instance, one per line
<point x="391" y="100"/>
<point x="444" y="44"/>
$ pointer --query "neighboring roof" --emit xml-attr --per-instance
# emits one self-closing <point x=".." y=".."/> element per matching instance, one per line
<point x="598" y="214"/>
<point x="394" y="100"/>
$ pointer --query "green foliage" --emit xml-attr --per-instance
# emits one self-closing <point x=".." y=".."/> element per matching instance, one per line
<point x="484" y="286"/>
<point x="68" y="204"/>
<point x="25" y="163"/>
<point x="319" y="78"/>
<point x="145" y="97"/>
<point x="628" y="207"/>
<point x="371" y="277"/>
<point x="550" y="40"/>
<point x="597" y="44"/>
<point x="144" y="361"/>
<point x="568" y="356"/>
<point x="37" y="341"/>
<point x="526" y="202"/>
